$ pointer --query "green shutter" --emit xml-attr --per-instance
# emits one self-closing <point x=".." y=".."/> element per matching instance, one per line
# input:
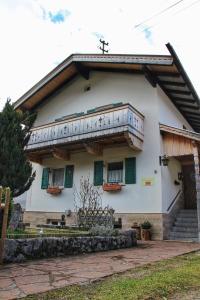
<point x="45" y="178"/>
<point x="98" y="172"/>
<point x="69" y="174"/>
<point x="130" y="170"/>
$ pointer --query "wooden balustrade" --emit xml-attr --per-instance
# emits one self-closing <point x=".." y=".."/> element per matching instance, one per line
<point x="117" y="120"/>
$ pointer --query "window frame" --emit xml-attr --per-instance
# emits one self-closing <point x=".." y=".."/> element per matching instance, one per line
<point x="52" y="170"/>
<point x="123" y="170"/>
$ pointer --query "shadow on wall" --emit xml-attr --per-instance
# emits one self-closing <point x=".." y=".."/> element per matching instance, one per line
<point x="21" y="200"/>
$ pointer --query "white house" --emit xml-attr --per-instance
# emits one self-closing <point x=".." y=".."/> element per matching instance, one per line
<point x="117" y="118"/>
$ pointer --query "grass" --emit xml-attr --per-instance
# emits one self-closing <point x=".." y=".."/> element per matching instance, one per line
<point x="154" y="281"/>
<point x="47" y="232"/>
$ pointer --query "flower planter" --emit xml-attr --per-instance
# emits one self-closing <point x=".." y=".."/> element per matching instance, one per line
<point x="109" y="187"/>
<point x="54" y="190"/>
<point x="146" y="235"/>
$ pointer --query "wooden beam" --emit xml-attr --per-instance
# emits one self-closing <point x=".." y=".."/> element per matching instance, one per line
<point x="35" y="158"/>
<point x="149" y="76"/>
<point x="94" y="148"/>
<point x="133" y="142"/>
<point x="197" y="181"/>
<point x="174" y="83"/>
<point x="190" y="113"/>
<point x="178" y="92"/>
<point x="61" y="154"/>
<point x="189" y="106"/>
<point x="167" y="74"/>
<point x="82" y="70"/>
<point x="183" y="99"/>
<point x="4" y="224"/>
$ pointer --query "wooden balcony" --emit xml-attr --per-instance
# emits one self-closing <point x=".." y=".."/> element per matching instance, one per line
<point x="100" y="127"/>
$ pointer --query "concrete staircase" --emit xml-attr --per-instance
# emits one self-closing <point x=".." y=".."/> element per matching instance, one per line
<point x="185" y="227"/>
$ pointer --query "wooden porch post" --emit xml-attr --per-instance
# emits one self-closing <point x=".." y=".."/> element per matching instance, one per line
<point x="197" y="179"/>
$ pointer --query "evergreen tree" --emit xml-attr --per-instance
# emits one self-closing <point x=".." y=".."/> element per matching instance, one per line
<point x="15" y="169"/>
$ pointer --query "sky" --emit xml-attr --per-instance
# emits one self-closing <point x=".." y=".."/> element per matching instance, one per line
<point x="37" y="35"/>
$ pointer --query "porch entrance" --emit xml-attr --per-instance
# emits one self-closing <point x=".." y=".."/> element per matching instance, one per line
<point x="189" y="186"/>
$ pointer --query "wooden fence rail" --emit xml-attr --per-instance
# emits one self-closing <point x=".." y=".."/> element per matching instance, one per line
<point x="4" y="208"/>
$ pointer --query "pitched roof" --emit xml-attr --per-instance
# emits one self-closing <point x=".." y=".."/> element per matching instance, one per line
<point x="163" y="70"/>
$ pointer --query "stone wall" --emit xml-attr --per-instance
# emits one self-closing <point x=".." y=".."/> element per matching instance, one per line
<point x="35" y="218"/>
<point x="19" y="250"/>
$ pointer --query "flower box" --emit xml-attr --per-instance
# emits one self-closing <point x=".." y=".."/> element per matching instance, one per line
<point x="109" y="187"/>
<point x="54" y="190"/>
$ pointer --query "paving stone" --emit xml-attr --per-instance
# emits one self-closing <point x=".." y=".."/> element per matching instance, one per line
<point x="10" y="294"/>
<point x="31" y="279"/>
<point x="5" y="283"/>
<point x="42" y="275"/>
<point x="35" y="288"/>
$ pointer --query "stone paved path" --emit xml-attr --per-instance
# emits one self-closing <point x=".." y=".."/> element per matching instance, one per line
<point x="19" y="280"/>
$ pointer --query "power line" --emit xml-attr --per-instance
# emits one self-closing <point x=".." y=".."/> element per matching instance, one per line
<point x="195" y="2"/>
<point x="158" y="14"/>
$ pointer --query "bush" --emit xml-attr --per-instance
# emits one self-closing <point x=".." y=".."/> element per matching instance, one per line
<point x="146" y="225"/>
<point x="99" y="230"/>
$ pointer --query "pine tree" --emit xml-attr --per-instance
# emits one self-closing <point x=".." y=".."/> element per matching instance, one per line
<point x="15" y="169"/>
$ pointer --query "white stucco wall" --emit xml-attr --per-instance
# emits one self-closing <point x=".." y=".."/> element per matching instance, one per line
<point x="169" y="114"/>
<point x="133" y="197"/>
<point x="106" y="88"/>
<point x="109" y="88"/>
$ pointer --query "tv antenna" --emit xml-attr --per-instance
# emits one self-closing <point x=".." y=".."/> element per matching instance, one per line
<point x="103" y="46"/>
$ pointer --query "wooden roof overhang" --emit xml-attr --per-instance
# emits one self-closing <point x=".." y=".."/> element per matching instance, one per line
<point x="179" y="143"/>
<point x="165" y="71"/>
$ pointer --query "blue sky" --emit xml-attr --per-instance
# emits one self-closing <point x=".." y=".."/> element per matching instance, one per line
<point x="36" y="35"/>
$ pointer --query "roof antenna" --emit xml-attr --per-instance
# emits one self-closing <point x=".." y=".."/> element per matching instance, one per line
<point x="103" y="46"/>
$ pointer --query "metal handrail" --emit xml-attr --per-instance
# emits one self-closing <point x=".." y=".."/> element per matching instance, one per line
<point x="174" y="200"/>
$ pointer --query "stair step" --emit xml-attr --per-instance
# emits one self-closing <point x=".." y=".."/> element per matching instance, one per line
<point x="186" y="220"/>
<point x="185" y="239"/>
<point x="183" y="224"/>
<point x="189" y="210"/>
<point x="185" y="229"/>
<point x="183" y="235"/>
<point x="186" y="215"/>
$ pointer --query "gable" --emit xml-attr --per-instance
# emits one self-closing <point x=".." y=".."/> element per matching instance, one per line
<point x="165" y="71"/>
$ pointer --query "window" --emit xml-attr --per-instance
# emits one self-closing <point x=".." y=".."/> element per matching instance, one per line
<point x="58" y="177"/>
<point x="115" y="172"/>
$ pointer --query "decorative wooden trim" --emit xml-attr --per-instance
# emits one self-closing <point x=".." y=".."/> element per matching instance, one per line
<point x="35" y="158"/>
<point x="61" y="154"/>
<point x="94" y="148"/>
<point x="182" y="132"/>
<point x="133" y="141"/>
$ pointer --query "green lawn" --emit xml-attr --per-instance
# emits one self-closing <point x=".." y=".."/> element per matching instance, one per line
<point x="160" y="280"/>
<point x="35" y="232"/>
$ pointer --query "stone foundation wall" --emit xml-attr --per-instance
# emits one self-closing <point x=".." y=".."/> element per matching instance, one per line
<point x="40" y="217"/>
<point x="35" y="218"/>
<point x="19" y="250"/>
<point x="155" y="219"/>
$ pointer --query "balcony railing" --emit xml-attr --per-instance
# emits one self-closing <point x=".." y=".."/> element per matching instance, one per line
<point x="102" y="123"/>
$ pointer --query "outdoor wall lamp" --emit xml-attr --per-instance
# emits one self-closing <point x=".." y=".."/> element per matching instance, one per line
<point x="180" y="176"/>
<point x="164" y="160"/>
